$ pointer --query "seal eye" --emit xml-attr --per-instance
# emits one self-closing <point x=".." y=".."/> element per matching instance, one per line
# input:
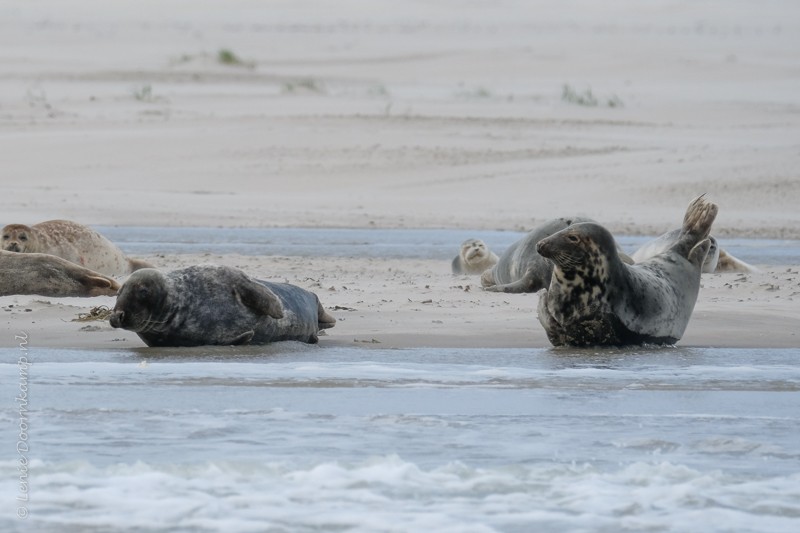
<point x="23" y="237"/>
<point x="142" y="293"/>
<point x="574" y="239"/>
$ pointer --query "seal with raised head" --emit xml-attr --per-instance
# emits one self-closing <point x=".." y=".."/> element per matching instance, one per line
<point x="48" y="275"/>
<point x="474" y="257"/>
<point x="521" y="268"/>
<point x="216" y="305"/>
<point x="71" y="241"/>
<point x="596" y="299"/>
<point x="718" y="260"/>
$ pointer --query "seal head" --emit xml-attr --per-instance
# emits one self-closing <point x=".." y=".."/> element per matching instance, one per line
<point x="595" y="298"/>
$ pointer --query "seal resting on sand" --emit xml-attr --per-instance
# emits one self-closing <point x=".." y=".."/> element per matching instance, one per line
<point x="521" y="268"/>
<point x="71" y="241"/>
<point x="474" y="257"/>
<point x="718" y="260"/>
<point x="216" y="305"/>
<point x="596" y="299"/>
<point x="48" y="275"/>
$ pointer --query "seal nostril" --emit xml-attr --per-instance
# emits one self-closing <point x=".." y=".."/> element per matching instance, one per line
<point x="116" y="318"/>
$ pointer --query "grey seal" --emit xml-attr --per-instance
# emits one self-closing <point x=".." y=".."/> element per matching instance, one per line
<point x="48" y="275"/>
<point x="594" y="298"/>
<point x="74" y="242"/>
<point x="718" y="260"/>
<point x="521" y="268"/>
<point x="474" y="257"/>
<point x="216" y="305"/>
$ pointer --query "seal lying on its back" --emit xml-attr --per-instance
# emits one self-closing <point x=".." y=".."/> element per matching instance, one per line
<point x="216" y="305"/>
<point x="48" y="275"/>
<point x="718" y="260"/>
<point x="73" y="242"/>
<point x="521" y="268"/>
<point x="474" y="257"/>
<point x="596" y="299"/>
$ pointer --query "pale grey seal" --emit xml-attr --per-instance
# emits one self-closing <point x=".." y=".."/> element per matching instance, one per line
<point x="71" y="241"/>
<point x="48" y="275"/>
<point x="596" y="299"/>
<point x="474" y="257"/>
<point x="216" y="305"/>
<point x="521" y="268"/>
<point x="718" y="260"/>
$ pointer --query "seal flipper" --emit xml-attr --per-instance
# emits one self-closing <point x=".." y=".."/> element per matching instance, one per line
<point x="324" y="320"/>
<point x="697" y="256"/>
<point x="242" y="339"/>
<point x="258" y="298"/>
<point x="529" y="282"/>
<point x="696" y="225"/>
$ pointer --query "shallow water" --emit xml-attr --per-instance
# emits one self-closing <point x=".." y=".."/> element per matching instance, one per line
<point x="386" y="243"/>
<point x="291" y="437"/>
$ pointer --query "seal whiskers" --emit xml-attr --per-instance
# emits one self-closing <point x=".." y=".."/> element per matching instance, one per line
<point x="216" y="305"/>
<point x="595" y="298"/>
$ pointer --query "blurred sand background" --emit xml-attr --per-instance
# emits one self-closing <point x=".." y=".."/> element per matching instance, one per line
<point x="438" y="114"/>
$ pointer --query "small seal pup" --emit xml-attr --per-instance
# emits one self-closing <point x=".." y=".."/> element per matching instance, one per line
<point x="718" y="260"/>
<point x="596" y="299"/>
<point x="48" y="275"/>
<point x="216" y="305"/>
<point x="521" y="268"/>
<point x="73" y="242"/>
<point x="474" y="257"/>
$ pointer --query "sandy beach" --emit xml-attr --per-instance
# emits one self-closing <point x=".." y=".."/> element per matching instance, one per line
<point x="488" y="115"/>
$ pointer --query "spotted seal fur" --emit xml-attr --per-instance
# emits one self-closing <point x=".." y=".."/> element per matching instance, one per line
<point x="216" y="305"/>
<point x="596" y="299"/>
<point x="74" y="242"/>
<point x="521" y="268"/>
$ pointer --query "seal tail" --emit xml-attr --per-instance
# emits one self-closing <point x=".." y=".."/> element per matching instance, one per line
<point x="696" y="224"/>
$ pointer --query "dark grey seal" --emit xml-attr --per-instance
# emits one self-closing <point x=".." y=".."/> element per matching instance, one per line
<point x="521" y="268"/>
<point x="594" y="298"/>
<point x="216" y="305"/>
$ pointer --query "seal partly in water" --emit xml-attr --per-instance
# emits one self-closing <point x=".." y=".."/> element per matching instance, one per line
<point x="71" y="241"/>
<point x="474" y="257"/>
<point x="216" y="305"/>
<point x="594" y="298"/>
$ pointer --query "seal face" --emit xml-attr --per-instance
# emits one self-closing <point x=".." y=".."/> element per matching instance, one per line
<point x="71" y="241"/>
<point x="594" y="298"/>
<point x="48" y="275"/>
<point x="216" y="305"/>
<point x="521" y="268"/>
<point x="474" y="257"/>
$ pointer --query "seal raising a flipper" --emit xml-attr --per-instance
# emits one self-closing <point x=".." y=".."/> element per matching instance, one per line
<point x="474" y="257"/>
<point x="216" y="305"/>
<point x="596" y="299"/>
<point x="718" y="260"/>
<point x="48" y="275"/>
<point x="71" y="241"/>
<point x="521" y="268"/>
